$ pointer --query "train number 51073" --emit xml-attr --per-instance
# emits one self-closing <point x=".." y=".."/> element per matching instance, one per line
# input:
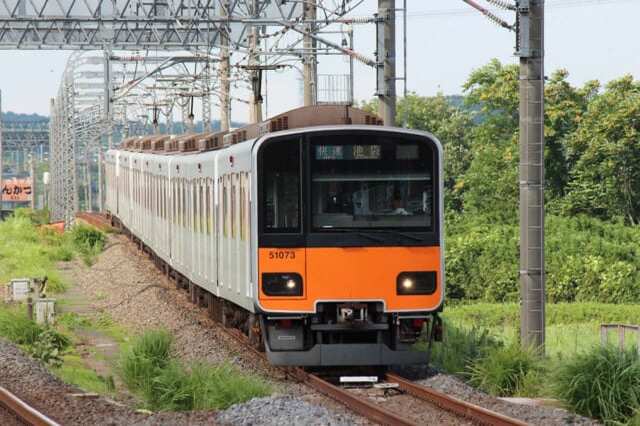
<point x="282" y="254"/>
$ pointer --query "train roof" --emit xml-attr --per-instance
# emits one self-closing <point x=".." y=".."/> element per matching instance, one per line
<point x="317" y="115"/>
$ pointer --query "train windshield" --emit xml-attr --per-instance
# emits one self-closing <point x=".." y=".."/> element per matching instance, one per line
<point x="371" y="182"/>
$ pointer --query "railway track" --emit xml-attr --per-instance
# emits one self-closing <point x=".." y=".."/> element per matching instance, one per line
<point x="23" y="411"/>
<point x="378" y="414"/>
<point x="374" y="412"/>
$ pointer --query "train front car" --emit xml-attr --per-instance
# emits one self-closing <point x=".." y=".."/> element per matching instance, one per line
<point x="349" y="242"/>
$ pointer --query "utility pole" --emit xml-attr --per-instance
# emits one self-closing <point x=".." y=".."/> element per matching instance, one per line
<point x="256" y="74"/>
<point x="225" y="70"/>
<point x="310" y="65"/>
<point x="387" y="57"/>
<point x="532" y="274"/>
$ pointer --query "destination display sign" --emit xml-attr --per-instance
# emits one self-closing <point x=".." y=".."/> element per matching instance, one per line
<point x="348" y="152"/>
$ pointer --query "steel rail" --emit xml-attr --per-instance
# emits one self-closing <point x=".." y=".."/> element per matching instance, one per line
<point x="371" y="411"/>
<point x="356" y="403"/>
<point x="454" y="405"/>
<point x="352" y="401"/>
<point x="24" y="411"/>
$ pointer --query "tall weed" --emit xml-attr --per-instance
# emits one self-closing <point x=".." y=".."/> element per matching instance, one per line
<point x="506" y="371"/>
<point x="166" y="384"/>
<point x="603" y="383"/>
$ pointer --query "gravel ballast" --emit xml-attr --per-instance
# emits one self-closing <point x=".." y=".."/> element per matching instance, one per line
<point x="280" y="410"/>
<point x="535" y="415"/>
<point x="125" y="283"/>
<point x="31" y="382"/>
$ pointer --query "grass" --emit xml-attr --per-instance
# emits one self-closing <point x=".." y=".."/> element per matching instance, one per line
<point x="507" y="371"/>
<point x="16" y="327"/>
<point x="481" y="346"/>
<point x="74" y="371"/>
<point x="27" y="250"/>
<point x="603" y="383"/>
<point x="149" y="369"/>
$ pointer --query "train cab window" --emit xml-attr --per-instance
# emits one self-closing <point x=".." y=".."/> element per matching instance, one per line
<point x="280" y="164"/>
<point x="375" y="182"/>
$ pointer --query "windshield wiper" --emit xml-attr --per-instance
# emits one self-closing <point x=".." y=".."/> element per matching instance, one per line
<point x="402" y="234"/>
<point x="359" y="233"/>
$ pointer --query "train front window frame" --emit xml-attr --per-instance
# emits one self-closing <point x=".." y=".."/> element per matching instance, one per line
<point x="371" y="182"/>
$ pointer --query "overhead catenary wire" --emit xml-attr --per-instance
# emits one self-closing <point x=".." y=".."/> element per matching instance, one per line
<point x="551" y="6"/>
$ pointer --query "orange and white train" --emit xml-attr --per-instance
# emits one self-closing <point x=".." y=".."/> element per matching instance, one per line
<point x="318" y="232"/>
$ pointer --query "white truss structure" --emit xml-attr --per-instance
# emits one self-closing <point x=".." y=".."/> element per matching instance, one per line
<point x="160" y="58"/>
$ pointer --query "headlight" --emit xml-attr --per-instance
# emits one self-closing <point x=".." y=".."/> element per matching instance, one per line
<point x="416" y="283"/>
<point x="282" y="284"/>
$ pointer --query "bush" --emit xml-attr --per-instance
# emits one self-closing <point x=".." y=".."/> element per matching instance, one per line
<point x="49" y="346"/>
<point x="492" y="315"/>
<point x="603" y="383"/>
<point x="506" y="371"/>
<point x="89" y="241"/>
<point x="586" y="260"/>
<point x="44" y="344"/>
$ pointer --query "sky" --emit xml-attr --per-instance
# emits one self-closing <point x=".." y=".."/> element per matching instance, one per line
<point x="592" y="39"/>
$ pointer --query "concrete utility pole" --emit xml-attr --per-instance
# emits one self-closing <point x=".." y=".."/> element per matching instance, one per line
<point x="310" y="65"/>
<point x="225" y="70"/>
<point x="387" y="95"/>
<point x="532" y="274"/>
<point x="256" y="75"/>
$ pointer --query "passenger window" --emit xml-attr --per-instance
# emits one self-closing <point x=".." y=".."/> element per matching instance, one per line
<point x="233" y="205"/>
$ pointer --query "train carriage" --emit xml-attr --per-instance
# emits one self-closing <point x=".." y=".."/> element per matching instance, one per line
<point x="320" y="228"/>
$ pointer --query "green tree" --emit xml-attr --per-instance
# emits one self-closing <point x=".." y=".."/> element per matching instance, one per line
<point x="490" y="184"/>
<point x="565" y="106"/>
<point x="452" y="126"/>
<point x="605" y="181"/>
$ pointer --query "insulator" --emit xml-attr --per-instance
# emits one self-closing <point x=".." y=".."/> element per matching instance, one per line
<point x="502" y="4"/>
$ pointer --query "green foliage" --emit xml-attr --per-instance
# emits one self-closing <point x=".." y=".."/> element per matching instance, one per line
<point x="49" y="346"/>
<point x="461" y="346"/>
<point x="506" y="371"/>
<point x="74" y="371"/>
<point x="166" y="384"/>
<point x="16" y="326"/>
<point x="43" y="343"/>
<point x="606" y="178"/>
<point x="603" y="383"/>
<point x="36" y="217"/>
<point x="148" y="354"/>
<point x="586" y="260"/>
<point x="492" y="315"/>
<point x="89" y="241"/>
<point x="29" y="251"/>
<point x="452" y="126"/>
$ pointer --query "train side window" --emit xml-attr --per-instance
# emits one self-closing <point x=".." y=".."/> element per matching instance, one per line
<point x="225" y="205"/>
<point x="280" y="162"/>
<point x="233" y="205"/>
<point x="244" y="225"/>
<point x="203" y="214"/>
